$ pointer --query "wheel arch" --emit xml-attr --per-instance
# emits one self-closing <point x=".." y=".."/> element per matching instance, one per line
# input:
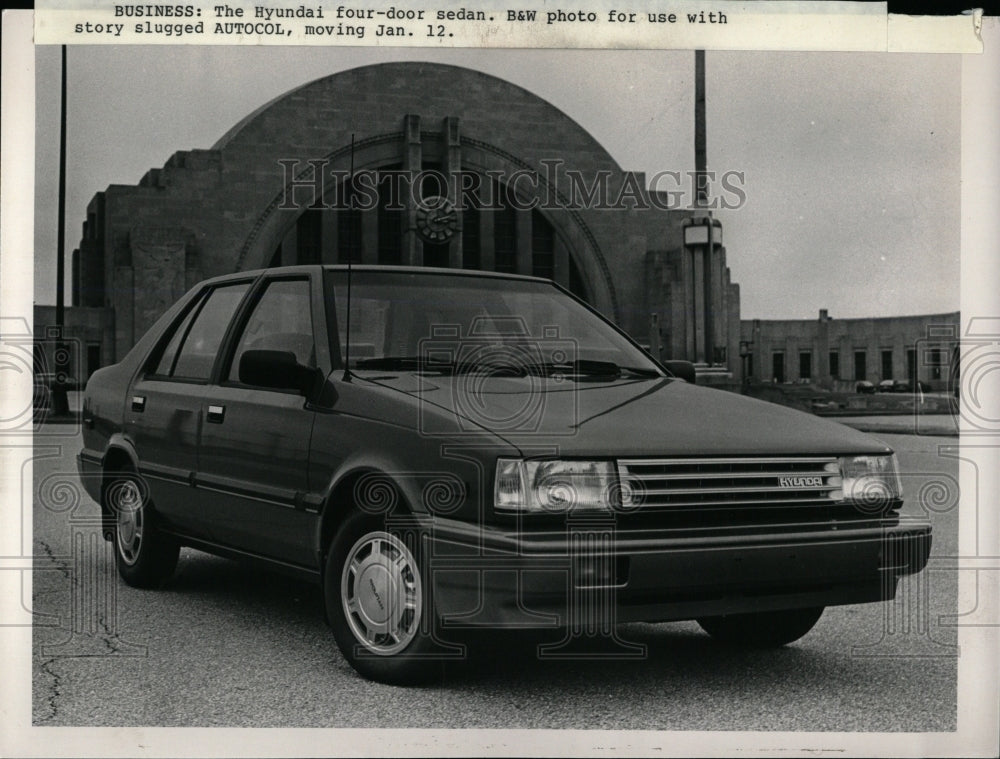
<point x="348" y="489"/>
<point x="120" y="456"/>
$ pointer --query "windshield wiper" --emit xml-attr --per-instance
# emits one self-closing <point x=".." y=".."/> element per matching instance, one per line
<point x="581" y="368"/>
<point x="639" y="371"/>
<point x="429" y="364"/>
<point x="405" y="363"/>
<point x="592" y="369"/>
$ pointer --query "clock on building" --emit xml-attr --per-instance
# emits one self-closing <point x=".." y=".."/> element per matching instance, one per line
<point x="437" y="219"/>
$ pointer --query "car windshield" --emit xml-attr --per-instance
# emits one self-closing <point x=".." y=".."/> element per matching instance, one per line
<point x="413" y="321"/>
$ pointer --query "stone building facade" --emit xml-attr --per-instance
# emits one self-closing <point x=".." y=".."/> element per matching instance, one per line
<point x="546" y="199"/>
<point x="839" y="353"/>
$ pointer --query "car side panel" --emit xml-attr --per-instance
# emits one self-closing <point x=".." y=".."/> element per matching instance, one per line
<point x="162" y="419"/>
<point x="252" y="480"/>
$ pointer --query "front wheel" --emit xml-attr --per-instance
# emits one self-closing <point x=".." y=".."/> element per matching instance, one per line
<point x="378" y="603"/>
<point x="763" y="629"/>
<point x="145" y="557"/>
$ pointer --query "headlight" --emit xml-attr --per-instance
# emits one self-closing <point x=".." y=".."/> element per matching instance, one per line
<point x="553" y="486"/>
<point x="868" y="481"/>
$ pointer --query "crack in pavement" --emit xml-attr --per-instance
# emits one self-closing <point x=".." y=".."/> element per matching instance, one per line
<point x="47" y="561"/>
<point x="93" y="635"/>
<point x="51" y="699"/>
<point x="109" y="637"/>
<point x="108" y="633"/>
<point x="60" y="562"/>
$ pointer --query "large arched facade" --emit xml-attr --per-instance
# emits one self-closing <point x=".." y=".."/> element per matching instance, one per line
<point x="274" y="190"/>
<point x="501" y="227"/>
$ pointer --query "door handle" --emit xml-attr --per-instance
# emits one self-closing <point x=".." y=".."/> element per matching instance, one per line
<point x="216" y="414"/>
<point x="139" y="403"/>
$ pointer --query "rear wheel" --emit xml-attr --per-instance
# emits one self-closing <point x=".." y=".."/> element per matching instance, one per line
<point x="764" y="629"/>
<point x="145" y="557"/>
<point x="378" y="603"/>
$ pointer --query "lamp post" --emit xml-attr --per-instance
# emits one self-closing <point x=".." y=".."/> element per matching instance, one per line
<point x="60" y="401"/>
<point x="701" y="235"/>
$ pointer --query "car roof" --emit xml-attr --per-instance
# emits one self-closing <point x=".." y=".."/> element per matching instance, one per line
<point x="425" y="270"/>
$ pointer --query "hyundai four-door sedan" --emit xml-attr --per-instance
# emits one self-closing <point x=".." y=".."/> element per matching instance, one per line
<point x="445" y="450"/>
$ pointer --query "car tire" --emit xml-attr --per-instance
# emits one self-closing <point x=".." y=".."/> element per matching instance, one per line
<point x="378" y="603"/>
<point x="765" y="629"/>
<point x="145" y="557"/>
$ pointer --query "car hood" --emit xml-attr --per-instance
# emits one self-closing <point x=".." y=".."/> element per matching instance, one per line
<point x="646" y="417"/>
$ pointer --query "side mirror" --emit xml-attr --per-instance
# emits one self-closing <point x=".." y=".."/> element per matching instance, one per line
<point x="278" y="370"/>
<point x="682" y="370"/>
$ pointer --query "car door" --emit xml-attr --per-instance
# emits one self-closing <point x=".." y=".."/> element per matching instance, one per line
<point x="164" y="405"/>
<point x="253" y="477"/>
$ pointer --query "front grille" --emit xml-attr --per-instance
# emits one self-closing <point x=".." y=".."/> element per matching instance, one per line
<point x="727" y="483"/>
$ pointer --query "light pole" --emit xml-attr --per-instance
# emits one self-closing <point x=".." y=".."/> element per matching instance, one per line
<point x="60" y="401"/>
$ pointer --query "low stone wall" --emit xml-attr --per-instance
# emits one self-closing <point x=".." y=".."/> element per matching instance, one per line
<point x="825" y="403"/>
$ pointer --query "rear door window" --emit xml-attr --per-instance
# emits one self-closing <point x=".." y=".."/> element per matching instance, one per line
<point x="166" y="363"/>
<point x="200" y="335"/>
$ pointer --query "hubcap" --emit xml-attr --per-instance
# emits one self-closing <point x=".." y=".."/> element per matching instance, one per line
<point x="127" y="501"/>
<point x="381" y="593"/>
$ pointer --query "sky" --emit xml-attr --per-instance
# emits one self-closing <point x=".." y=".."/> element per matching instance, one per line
<point x="851" y="161"/>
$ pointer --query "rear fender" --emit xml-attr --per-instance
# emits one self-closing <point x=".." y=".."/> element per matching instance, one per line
<point x="120" y="456"/>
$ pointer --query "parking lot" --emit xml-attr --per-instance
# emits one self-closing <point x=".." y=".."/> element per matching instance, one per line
<point x="228" y="645"/>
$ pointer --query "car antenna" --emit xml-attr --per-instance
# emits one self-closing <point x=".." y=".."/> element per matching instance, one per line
<point x="350" y="258"/>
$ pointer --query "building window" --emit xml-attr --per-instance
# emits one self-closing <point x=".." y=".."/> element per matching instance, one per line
<point x="470" y="238"/>
<point x="577" y="285"/>
<point x="911" y="365"/>
<point x="307" y="237"/>
<point x="505" y="240"/>
<point x="934" y="358"/>
<point x="860" y="365"/>
<point x="835" y="364"/>
<point x="887" y="365"/>
<point x="348" y="227"/>
<point x="805" y="365"/>
<point x="390" y="223"/>
<point x="778" y="366"/>
<point x="543" y="246"/>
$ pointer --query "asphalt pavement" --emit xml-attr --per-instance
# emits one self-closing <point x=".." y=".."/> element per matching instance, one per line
<point x="227" y="645"/>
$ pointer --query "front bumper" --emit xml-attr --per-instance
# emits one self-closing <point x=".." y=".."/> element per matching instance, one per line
<point x="594" y="574"/>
